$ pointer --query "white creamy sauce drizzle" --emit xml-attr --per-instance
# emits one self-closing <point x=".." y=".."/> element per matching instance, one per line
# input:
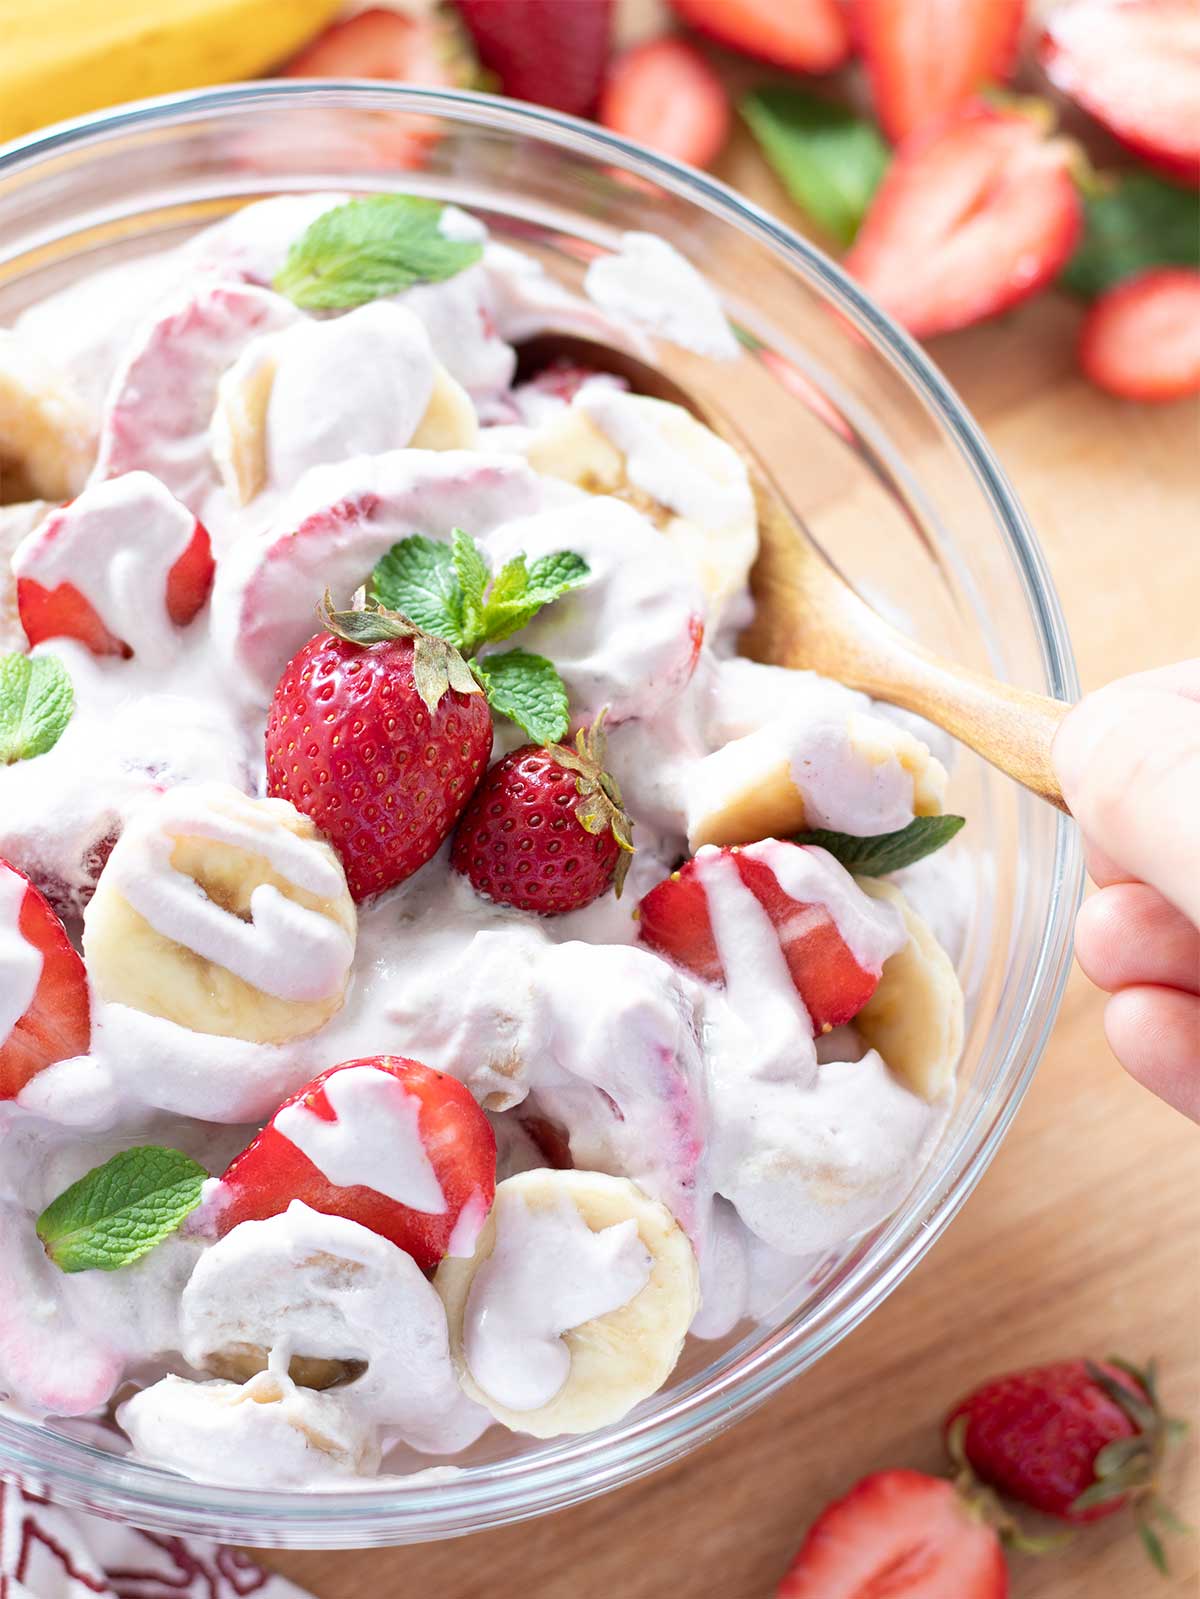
<point x="375" y="1139"/>
<point x="20" y="961"/>
<point x="548" y="1273"/>
<point x="660" y="291"/>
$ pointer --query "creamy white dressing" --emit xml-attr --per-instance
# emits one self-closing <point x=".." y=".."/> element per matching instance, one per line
<point x="648" y="282"/>
<point x="20" y="961"/>
<point x="374" y="1138"/>
<point x="547" y="1274"/>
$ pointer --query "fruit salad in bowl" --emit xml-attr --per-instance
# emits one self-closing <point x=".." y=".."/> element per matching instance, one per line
<point x="439" y="975"/>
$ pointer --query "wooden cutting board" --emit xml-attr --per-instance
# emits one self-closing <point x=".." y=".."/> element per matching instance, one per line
<point x="1083" y="1236"/>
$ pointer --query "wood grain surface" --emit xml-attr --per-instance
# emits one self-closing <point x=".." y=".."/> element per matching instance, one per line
<point x="1083" y="1235"/>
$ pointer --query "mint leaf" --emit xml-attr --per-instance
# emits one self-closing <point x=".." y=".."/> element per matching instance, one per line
<point x="1134" y="223"/>
<point x="880" y="853"/>
<point x="519" y="593"/>
<point x="555" y="575"/>
<point x="829" y="160"/>
<point x="367" y="248"/>
<point x="36" y="701"/>
<point x="417" y="578"/>
<point x="473" y="573"/>
<point x="527" y="689"/>
<point x="118" y="1212"/>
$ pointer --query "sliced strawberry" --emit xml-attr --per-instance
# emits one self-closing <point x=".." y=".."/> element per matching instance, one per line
<point x="190" y="579"/>
<point x="675" y="920"/>
<point x="664" y="94"/>
<point x="543" y="50"/>
<point x="898" y="1535"/>
<point x="1141" y="340"/>
<point x="62" y="612"/>
<point x="376" y="1133"/>
<point x="1134" y="65"/>
<point x="37" y="955"/>
<point x="805" y="35"/>
<point x="925" y="58"/>
<point x="973" y="216"/>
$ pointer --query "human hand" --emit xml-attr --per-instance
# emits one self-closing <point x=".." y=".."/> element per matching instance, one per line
<point x="1128" y="758"/>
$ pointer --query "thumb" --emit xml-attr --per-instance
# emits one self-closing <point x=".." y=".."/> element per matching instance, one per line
<point x="1128" y="758"/>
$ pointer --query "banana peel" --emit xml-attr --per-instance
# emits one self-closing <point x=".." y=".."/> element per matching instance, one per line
<point x="81" y="55"/>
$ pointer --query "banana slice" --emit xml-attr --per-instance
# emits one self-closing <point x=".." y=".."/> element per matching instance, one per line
<point x="239" y="424"/>
<point x="856" y="773"/>
<point x="46" y="433"/>
<point x="691" y="484"/>
<point x="449" y="422"/>
<point x="266" y="1433"/>
<point x="16" y="521"/>
<point x="223" y="914"/>
<point x="915" y="1017"/>
<point x="575" y="1304"/>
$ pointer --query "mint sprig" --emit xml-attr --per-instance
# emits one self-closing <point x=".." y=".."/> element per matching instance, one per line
<point x="830" y="161"/>
<point x="119" y="1211"/>
<point x="367" y="248"/>
<point x="36" y="701"/>
<point x="451" y="591"/>
<point x="1133" y="222"/>
<point x="880" y="853"/>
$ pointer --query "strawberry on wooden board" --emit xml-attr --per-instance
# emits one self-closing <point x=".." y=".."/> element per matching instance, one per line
<point x="665" y="94"/>
<point x="675" y="921"/>
<point x="1076" y="1439"/>
<point x="1134" y="65"/>
<point x="398" y="1148"/>
<point x="973" y="216"/>
<point x="898" y="1535"/>
<point x="926" y="58"/>
<point x="1141" y="340"/>
<point x="802" y="35"/>
<point x="379" y="733"/>
<point x="41" y="973"/>
<point x="543" y="50"/>
<point x="546" y="830"/>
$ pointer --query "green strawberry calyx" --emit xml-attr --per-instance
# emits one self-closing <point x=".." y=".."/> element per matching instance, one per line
<point x="437" y="665"/>
<point x="601" y="808"/>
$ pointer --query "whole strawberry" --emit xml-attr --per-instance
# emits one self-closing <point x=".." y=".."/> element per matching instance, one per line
<point x="379" y="733"/>
<point x="546" y="830"/>
<point x="1077" y="1440"/>
<point x="543" y="50"/>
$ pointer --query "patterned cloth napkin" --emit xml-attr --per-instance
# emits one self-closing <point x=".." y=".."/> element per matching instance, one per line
<point x="48" y="1553"/>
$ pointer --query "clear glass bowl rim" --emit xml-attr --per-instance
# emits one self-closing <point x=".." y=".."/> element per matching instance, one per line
<point x="495" y="1494"/>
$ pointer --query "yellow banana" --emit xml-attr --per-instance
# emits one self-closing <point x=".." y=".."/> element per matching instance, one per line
<point x="94" y="53"/>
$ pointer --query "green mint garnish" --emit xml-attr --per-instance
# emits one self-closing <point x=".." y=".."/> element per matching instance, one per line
<point x="1133" y="222"/>
<point x="119" y="1211"/>
<point x="36" y="701"/>
<point x="880" y="853"/>
<point x="449" y="590"/>
<point x="371" y="247"/>
<point x="829" y="160"/>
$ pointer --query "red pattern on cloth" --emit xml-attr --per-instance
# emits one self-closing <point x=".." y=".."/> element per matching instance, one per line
<point x="50" y="1553"/>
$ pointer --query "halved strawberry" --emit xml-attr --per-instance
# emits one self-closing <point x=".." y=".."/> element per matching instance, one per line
<point x="972" y="217"/>
<point x="925" y="58"/>
<point x="544" y="50"/>
<point x="664" y="94"/>
<point x="396" y="1122"/>
<point x="1141" y="340"/>
<point x="1134" y="65"/>
<point x="675" y="920"/>
<point x="804" y="35"/>
<point x="41" y="971"/>
<point x="900" y="1534"/>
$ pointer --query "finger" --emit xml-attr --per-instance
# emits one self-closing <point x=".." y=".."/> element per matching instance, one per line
<point x="1103" y="870"/>
<point x="1181" y="677"/>
<point x="1155" y="1034"/>
<point x="1130" y="934"/>
<point x="1129" y="760"/>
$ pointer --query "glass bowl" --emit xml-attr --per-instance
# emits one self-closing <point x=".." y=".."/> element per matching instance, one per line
<point x="874" y="451"/>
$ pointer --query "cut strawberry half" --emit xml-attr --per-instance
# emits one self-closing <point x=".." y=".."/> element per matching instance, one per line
<point x="803" y="35"/>
<point x="1141" y="340"/>
<point x="665" y="95"/>
<point x="973" y="216"/>
<point x="391" y="1144"/>
<point x="1134" y="65"/>
<point x="900" y="1534"/>
<point x="925" y="58"/>
<point x="41" y="973"/>
<point x="675" y="921"/>
<point x="543" y="50"/>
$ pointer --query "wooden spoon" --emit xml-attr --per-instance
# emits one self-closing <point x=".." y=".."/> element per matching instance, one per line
<point x="825" y="625"/>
